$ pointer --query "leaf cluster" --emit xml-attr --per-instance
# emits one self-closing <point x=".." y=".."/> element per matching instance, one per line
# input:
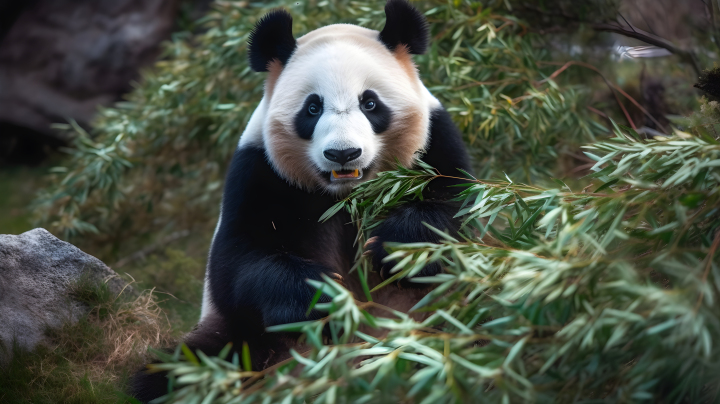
<point x="551" y="295"/>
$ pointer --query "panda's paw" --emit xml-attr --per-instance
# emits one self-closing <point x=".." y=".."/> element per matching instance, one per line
<point x="409" y="224"/>
<point x="374" y="247"/>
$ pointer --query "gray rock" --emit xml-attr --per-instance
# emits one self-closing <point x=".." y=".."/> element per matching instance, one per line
<point x="37" y="271"/>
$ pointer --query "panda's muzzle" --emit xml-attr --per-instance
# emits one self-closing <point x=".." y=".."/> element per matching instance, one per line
<point x="342" y="157"/>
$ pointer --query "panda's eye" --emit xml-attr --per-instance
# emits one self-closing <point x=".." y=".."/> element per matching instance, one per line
<point x="313" y="109"/>
<point x="369" y="105"/>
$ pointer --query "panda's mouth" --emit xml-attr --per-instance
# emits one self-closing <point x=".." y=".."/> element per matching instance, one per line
<point x="345" y="175"/>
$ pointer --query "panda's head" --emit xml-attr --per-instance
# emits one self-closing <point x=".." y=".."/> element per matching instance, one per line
<point x="341" y="102"/>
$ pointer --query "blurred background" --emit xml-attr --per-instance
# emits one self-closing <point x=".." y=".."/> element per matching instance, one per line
<point x="118" y="118"/>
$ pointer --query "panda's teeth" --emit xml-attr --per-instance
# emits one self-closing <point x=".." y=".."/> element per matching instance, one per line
<point x="354" y="174"/>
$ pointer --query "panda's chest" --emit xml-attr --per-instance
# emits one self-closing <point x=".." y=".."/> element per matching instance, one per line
<point x="280" y="217"/>
<point x="287" y="229"/>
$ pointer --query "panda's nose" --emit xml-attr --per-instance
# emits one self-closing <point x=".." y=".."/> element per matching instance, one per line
<point x="342" y="156"/>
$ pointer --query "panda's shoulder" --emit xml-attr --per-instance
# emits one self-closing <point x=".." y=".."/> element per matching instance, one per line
<point x="445" y="149"/>
<point x="250" y="177"/>
<point x="252" y="181"/>
<point x="249" y="165"/>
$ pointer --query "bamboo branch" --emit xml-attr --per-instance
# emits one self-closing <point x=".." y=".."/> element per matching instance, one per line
<point x="610" y="85"/>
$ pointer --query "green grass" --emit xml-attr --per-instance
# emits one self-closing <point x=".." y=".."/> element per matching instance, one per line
<point x="177" y="276"/>
<point x="46" y="376"/>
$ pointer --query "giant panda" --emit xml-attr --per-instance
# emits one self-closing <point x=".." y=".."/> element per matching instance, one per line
<point x="340" y="104"/>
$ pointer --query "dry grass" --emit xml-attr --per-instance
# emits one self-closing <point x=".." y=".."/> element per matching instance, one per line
<point x="131" y="329"/>
<point x="134" y="327"/>
<point x="127" y="328"/>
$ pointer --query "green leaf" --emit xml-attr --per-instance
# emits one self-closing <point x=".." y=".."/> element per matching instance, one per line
<point x="189" y="355"/>
<point x="332" y="211"/>
<point x="314" y="300"/>
<point x="607" y="185"/>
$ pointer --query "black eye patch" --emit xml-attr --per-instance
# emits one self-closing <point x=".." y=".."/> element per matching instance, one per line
<point x="375" y="111"/>
<point x="308" y="116"/>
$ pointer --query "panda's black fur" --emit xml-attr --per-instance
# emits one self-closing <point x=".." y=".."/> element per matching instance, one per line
<point x="271" y="39"/>
<point x="404" y="26"/>
<point x="269" y="240"/>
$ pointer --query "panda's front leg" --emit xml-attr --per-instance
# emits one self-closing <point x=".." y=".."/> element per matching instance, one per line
<point x="272" y="288"/>
<point x="405" y="225"/>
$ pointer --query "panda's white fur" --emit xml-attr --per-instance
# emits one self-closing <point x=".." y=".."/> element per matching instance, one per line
<point x="207" y="306"/>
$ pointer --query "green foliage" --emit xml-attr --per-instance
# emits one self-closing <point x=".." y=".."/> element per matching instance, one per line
<point x="174" y="272"/>
<point x="177" y="278"/>
<point x="552" y="295"/>
<point x="563" y="12"/>
<point x="155" y="163"/>
<point x="18" y="185"/>
<point x="487" y="70"/>
<point x="704" y="123"/>
<point x="44" y="376"/>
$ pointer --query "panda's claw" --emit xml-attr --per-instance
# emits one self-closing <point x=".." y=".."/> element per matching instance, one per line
<point x="337" y="278"/>
<point x="370" y="242"/>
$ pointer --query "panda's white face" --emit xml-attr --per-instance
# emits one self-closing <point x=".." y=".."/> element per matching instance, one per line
<point x="344" y="113"/>
<point x="343" y="108"/>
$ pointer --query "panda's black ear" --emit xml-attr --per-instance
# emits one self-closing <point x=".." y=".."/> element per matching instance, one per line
<point x="271" y="39"/>
<point x="404" y="25"/>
